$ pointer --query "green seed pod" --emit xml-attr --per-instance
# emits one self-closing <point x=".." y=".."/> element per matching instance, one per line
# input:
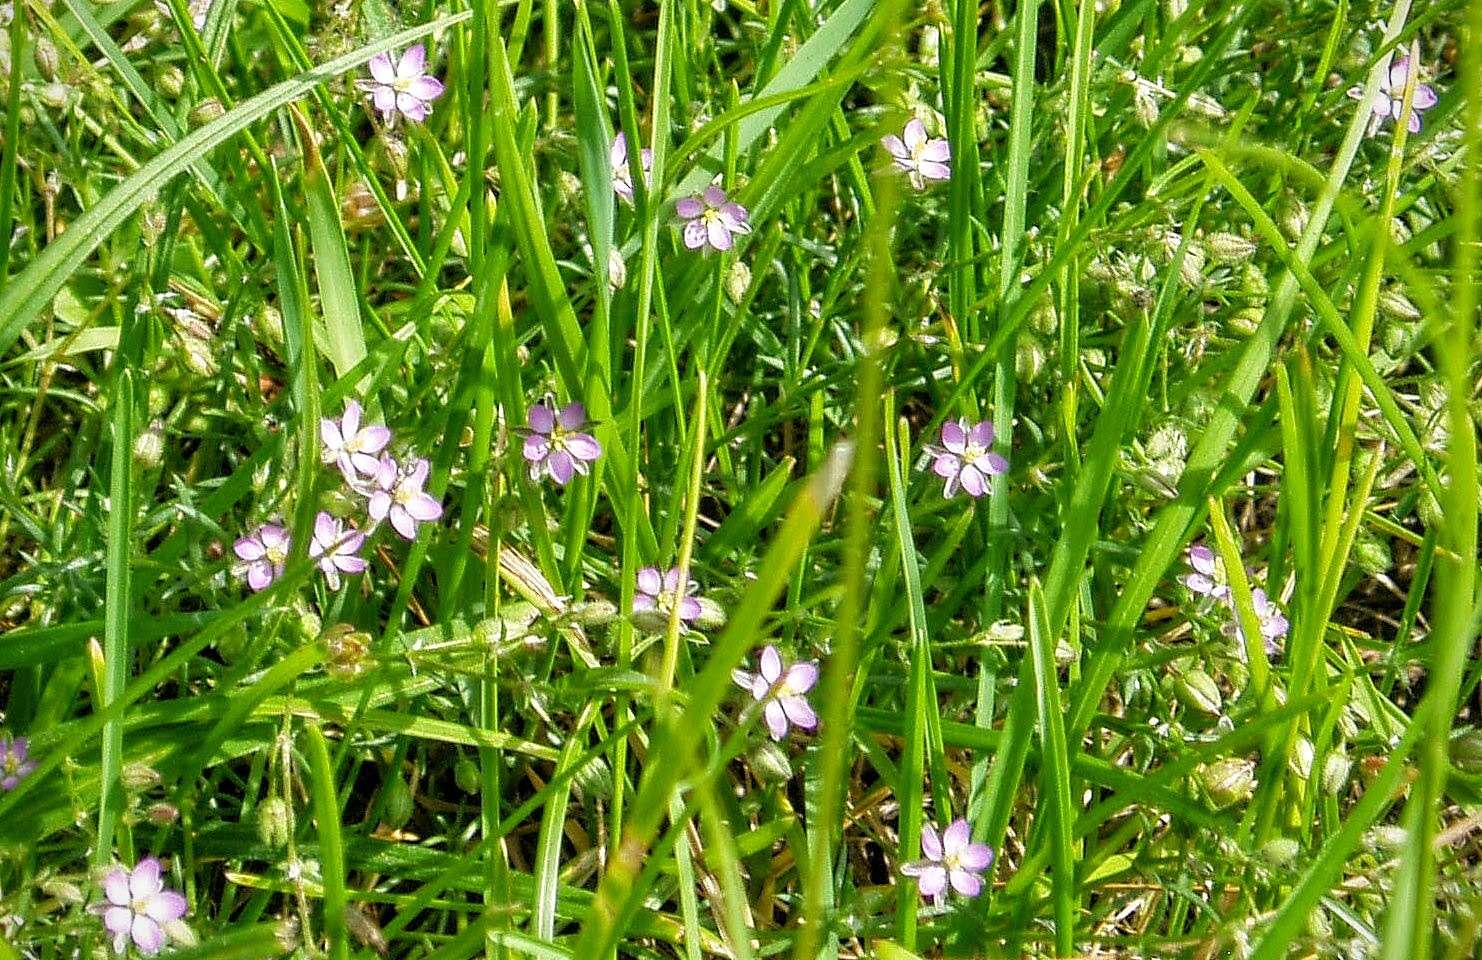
<point x="171" y="82"/>
<point x="1229" y="781"/>
<point x="1198" y="691"/>
<point x="62" y="891"/>
<point x="396" y="807"/>
<point x="617" y="270"/>
<point x="206" y="111"/>
<point x="1244" y="322"/>
<point x="1388" y="839"/>
<point x="1029" y="358"/>
<point x="45" y="56"/>
<point x="1043" y="318"/>
<point x="594" y="613"/>
<point x="1394" y="303"/>
<point x="1230" y="247"/>
<point x="180" y="933"/>
<point x="138" y="777"/>
<point x="466" y="775"/>
<point x="1301" y="758"/>
<point x="149" y="446"/>
<point x="1466" y="750"/>
<point x="54" y="94"/>
<point x="593" y="780"/>
<point x="273" y="823"/>
<point x="712" y="615"/>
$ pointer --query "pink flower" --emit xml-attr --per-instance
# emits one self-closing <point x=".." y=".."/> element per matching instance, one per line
<point x="351" y="447"/>
<point x="1389" y="99"/>
<point x="1208" y="578"/>
<point x="917" y="155"/>
<point x="556" y="446"/>
<point x="404" y="87"/>
<point x="15" y="761"/>
<point x="660" y="592"/>
<point x="712" y="219"/>
<point x="138" y="907"/>
<point x="784" y="690"/>
<point x="622" y="177"/>
<point x="399" y="495"/>
<point x="964" y="459"/>
<point x="1273" y="622"/>
<point x="953" y="859"/>
<point x="335" y="547"/>
<point x="265" y="554"/>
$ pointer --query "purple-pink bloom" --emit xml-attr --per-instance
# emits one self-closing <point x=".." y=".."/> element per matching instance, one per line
<point x="1273" y="622"/>
<point x="335" y="547"/>
<point x="399" y="495"/>
<point x="556" y="446"/>
<point x="918" y="155"/>
<point x="1389" y="99"/>
<point x="264" y="553"/>
<point x="403" y="87"/>
<point x="350" y="446"/>
<point x="622" y="177"/>
<point x="784" y="690"/>
<point x="712" y="219"/>
<point x="661" y="592"/>
<point x="15" y="761"/>
<point x="1208" y="578"/>
<point x="964" y="459"/>
<point x="138" y="906"/>
<point x="949" y="860"/>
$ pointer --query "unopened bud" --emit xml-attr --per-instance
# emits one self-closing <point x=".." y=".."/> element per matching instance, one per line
<point x="396" y="807"/>
<point x="273" y="823"/>
<point x="206" y="111"/>
<point x="46" y="58"/>
<point x="1230" y="247"/>
<point x="149" y="446"/>
<point x="162" y="813"/>
<point x="466" y="775"/>
<point x="1198" y="691"/>
<point x="54" y="94"/>
<point x="171" y="82"/>
<point x="1394" y="303"/>
<point x="1281" y="851"/>
<point x="770" y="762"/>
<point x="138" y="777"/>
<point x="1335" y="772"/>
<point x="617" y="270"/>
<point x="1293" y="219"/>
<point x="1301" y="758"/>
<point x="712" y="615"/>
<point x="1229" y="781"/>
<point x="738" y="281"/>
<point x="593" y="779"/>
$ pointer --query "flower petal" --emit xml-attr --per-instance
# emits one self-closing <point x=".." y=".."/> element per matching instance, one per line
<point x="148" y="936"/>
<point x="649" y="581"/>
<point x="981" y="435"/>
<point x="776" y="719"/>
<point x="259" y="576"/>
<point x="931" y="843"/>
<point x="1425" y="97"/>
<point x="583" y="446"/>
<point x="573" y="415"/>
<point x="719" y="236"/>
<point x="802" y="676"/>
<point x="165" y="906"/>
<point x="694" y="234"/>
<point x="413" y="62"/>
<point x="116" y="887"/>
<point x="714" y="196"/>
<point x="935" y="171"/>
<point x="800" y="712"/>
<point x="117" y="920"/>
<point x="542" y="418"/>
<point x="972" y="480"/>
<point x="937" y="151"/>
<point x="689" y="609"/>
<point x="426" y="89"/>
<point x="249" y="548"/>
<point x="932" y="881"/>
<point x="895" y="147"/>
<point x="558" y="464"/>
<point x="954" y="437"/>
<point x="976" y="856"/>
<point x="947" y="465"/>
<point x="689" y="208"/>
<point x="402" y="523"/>
<point x="967" y="883"/>
<point x="993" y="464"/>
<point x="914" y="134"/>
<point x="381" y="68"/>
<point x="145" y="881"/>
<point x="617" y="154"/>
<point x="771" y="665"/>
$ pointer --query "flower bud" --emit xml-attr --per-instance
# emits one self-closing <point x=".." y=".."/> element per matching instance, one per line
<point x="63" y="891"/>
<point x="180" y="933"/>
<point x="738" y="281"/>
<point x="594" y="613"/>
<point x="1388" y="838"/>
<point x="163" y="814"/>
<point x="138" y="777"/>
<point x="273" y="823"/>
<point x="466" y="775"/>
<point x="1280" y="852"/>
<point x="1293" y="219"/>
<point x="770" y="762"/>
<point x="1029" y="358"/>
<point x="358" y="207"/>
<point x="1244" y="322"/>
<point x="1229" y="781"/>
<point x="568" y="188"/>
<point x="54" y="94"/>
<point x="1230" y="247"/>
<point x="1300" y="761"/>
<point x="347" y="650"/>
<point x="617" y="270"/>
<point x="149" y="446"/>
<point x="1198" y="691"/>
<point x="1466" y="750"/>
<point x="46" y="58"/>
<point x="171" y="82"/>
<point x="364" y="929"/>
<point x="1043" y="319"/>
<point x="396" y="806"/>
<point x="712" y="615"/>
<point x="593" y="780"/>
<point x="206" y="111"/>
<point x="1335" y="772"/>
<point x="1394" y="303"/>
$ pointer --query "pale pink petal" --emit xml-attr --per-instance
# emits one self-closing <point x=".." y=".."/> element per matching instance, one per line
<point x="743" y="678"/>
<point x="946" y="465"/>
<point x="931" y="843"/>
<point x="116" y="886"/>
<point x="412" y="62"/>
<point x="148" y="936"/>
<point x="382" y="69"/>
<point x="776" y="719"/>
<point x="976" y="856"/>
<point x="689" y="208"/>
<point x="954" y="437"/>
<point x="424" y="508"/>
<point x="720" y="237"/>
<point x="329" y="432"/>
<point x="426" y="89"/>
<point x="259" y="576"/>
<point x="1201" y="558"/>
<point x="800" y="712"/>
<point x="689" y="609"/>
<point x="993" y="464"/>
<point x="583" y="446"/>
<point x="972" y="480"/>
<point x="967" y="883"/>
<point x="915" y="135"/>
<point x="935" y="171"/>
<point x="379" y="505"/>
<point x="560" y="467"/>
<point x="671" y="578"/>
<point x="542" y="418"/>
<point x="896" y="148"/>
<point x="617" y="155"/>
<point x="694" y="234"/>
<point x="981" y="435"/>
<point x="165" y="906"/>
<point x="802" y="676"/>
<point x="411" y="107"/>
<point x="771" y="665"/>
<point x="117" y="920"/>
<point x="932" y="881"/>
<point x="643" y="601"/>
<point x="649" y="581"/>
<point x="573" y="415"/>
<point x="145" y="881"/>
<point x="957" y="837"/>
<point x="402" y="523"/>
<point x="1425" y="97"/>
<point x="714" y="196"/>
<point x="1399" y="72"/>
<point x="937" y="151"/>
<point x="249" y="548"/>
<point x="418" y="477"/>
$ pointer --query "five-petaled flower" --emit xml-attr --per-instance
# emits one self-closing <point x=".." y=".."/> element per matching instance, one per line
<point x="556" y="446"/>
<point x="784" y="690"/>
<point x="350" y="446"/>
<point x="918" y="155"/>
<point x="15" y="761"/>
<point x="399" y="495"/>
<point x="138" y="907"/>
<point x="661" y="592"/>
<point x="622" y="176"/>
<point x="712" y="219"/>
<point x="964" y="459"/>
<point x="403" y="87"/>
<point x="1273" y="622"/>
<point x="1389" y="99"/>
<point x="949" y="859"/>
<point x="336" y="547"/>
<point x="1208" y="578"/>
<point x="264" y="553"/>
